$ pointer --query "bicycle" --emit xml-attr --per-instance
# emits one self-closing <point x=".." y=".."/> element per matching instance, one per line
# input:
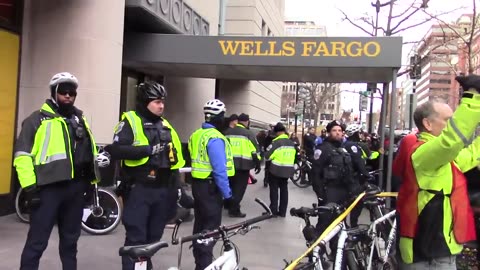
<point x="102" y="211"/>
<point x="302" y="169"/>
<point x="229" y="259"/>
<point x="353" y="243"/>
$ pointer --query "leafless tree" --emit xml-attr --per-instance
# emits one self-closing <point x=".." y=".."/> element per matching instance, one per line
<point x="320" y="94"/>
<point x="463" y="34"/>
<point x="398" y="20"/>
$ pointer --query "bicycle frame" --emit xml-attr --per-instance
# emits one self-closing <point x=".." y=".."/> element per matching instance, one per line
<point x="375" y="243"/>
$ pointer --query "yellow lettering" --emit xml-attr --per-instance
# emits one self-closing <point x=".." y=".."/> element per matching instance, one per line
<point x="228" y="49"/>
<point x="358" y="50"/>
<point x="338" y="48"/>
<point x="376" y="51"/>
<point x="246" y="47"/>
<point x="273" y="44"/>
<point x="307" y="47"/>
<point x="288" y="48"/>
<point x="258" y="50"/>
<point x="322" y="49"/>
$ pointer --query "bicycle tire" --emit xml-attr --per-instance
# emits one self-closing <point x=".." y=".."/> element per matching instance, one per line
<point x="298" y="181"/>
<point x="21" y="208"/>
<point x="108" y="221"/>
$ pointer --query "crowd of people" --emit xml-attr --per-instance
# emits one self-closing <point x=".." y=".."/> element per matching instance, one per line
<point x="55" y="157"/>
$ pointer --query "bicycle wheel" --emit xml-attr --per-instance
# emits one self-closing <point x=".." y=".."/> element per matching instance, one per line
<point x="105" y="219"/>
<point x="302" y="181"/>
<point x="21" y="208"/>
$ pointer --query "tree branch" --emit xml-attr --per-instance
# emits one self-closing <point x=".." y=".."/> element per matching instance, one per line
<point x="355" y="24"/>
<point x="405" y="11"/>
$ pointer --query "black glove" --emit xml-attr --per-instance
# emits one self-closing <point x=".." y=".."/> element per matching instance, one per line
<point x="32" y="196"/>
<point x="470" y="82"/>
<point x="258" y="168"/>
<point x="184" y="200"/>
<point x="228" y="202"/>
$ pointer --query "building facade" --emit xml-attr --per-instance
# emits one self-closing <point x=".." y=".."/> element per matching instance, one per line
<point x="330" y="107"/>
<point x="260" y="99"/>
<point x="86" y="38"/>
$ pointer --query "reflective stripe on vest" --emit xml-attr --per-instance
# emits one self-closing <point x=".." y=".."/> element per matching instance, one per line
<point x="458" y="223"/>
<point x="140" y="139"/>
<point x="197" y="146"/>
<point x="51" y="161"/>
<point x="283" y="159"/>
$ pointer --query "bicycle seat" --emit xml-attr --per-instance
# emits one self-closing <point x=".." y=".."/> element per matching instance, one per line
<point x="142" y="251"/>
<point x="302" y="212"/>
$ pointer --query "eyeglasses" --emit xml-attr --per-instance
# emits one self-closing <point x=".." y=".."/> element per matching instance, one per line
<point x="71" y="93"/>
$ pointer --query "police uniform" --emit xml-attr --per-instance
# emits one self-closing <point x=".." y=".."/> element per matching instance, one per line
<point x="245" y="156"/>
<point x="151" y="200"/>
<point x="212" y="164"/>
<point x="281" y="156"/>
<point x="54" y="159"/>
<point x="360" y="174"/>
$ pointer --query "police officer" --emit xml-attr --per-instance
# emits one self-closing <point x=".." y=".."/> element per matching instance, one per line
<point x="268" y="141"/>
<point x="212" y="164"/>
<point x="333" y="169"/>
<point x="245" y="157"/>
<point x="54" y="156"/>
<point x="360" y="173"/>
<point x="151" y="155"/>
<point x="281" y="155"/>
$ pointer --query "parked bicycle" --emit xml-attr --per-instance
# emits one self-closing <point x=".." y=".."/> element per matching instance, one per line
<point x="102" y="211"/>
<point x="302" y="170"/>
<point x="228" y="260"/>
<point x="362" y="247"/>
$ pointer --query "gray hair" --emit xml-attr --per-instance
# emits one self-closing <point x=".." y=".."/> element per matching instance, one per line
<point x="426" y="110"/>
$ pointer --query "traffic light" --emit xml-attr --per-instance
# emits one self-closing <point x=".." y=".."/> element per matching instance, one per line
<point x="371" y="87"/>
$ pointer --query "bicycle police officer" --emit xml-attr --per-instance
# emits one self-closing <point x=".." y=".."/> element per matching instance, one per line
<point x="360" y="173"/>
<point x="55" y="168"/>
<point x="212" y="164"/>
<point x="281" y="155"/>
<point x="245" y="157"/>
<point x="151" y="155"/>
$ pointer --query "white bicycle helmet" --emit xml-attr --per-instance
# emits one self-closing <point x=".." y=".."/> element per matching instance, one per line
<point x="63" y="77"/>
<point x="352" y="130"/>
<point x="102" y="159"/>
<point x="214" y="107"/>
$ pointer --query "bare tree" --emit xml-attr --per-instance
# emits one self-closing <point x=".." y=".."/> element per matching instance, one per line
<point x="320" y="94"/>
<point x="398" y="20"/>
<point x="463" y="34"/>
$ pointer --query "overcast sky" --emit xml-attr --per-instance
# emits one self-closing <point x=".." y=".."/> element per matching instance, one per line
<point x="327" y="12"/>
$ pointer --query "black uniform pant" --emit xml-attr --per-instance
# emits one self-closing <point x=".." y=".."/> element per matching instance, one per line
<point x="60" y="203"/>
<point x="208" y="216"/>
<point x="278" y="184"/>
<point x="145" y="215"/>
<point x="238" y="183"/>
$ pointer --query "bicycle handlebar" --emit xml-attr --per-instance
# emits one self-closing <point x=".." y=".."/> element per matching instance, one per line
<point x="226" y="229"/>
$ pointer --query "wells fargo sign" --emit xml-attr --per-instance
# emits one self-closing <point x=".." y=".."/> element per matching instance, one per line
<point x="300" y="48"/>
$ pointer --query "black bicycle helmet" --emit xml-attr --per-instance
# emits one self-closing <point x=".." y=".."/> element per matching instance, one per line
<point x="148" y="91"/>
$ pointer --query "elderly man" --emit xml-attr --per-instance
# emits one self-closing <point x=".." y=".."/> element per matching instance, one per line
<point x="434" y="212"/>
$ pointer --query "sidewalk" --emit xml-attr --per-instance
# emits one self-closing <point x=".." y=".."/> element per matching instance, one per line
<point x="264" y="249"/>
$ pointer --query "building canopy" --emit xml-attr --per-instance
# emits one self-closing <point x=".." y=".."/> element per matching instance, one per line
<point x="304" y="59"/>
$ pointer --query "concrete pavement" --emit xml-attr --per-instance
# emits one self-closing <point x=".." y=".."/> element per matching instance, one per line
<point x="264" y="249"/>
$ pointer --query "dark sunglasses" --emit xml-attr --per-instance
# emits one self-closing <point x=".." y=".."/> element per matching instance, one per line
<point x="71" y="93"/>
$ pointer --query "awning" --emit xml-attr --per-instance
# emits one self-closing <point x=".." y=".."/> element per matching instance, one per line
<point x="306" y="59"/>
